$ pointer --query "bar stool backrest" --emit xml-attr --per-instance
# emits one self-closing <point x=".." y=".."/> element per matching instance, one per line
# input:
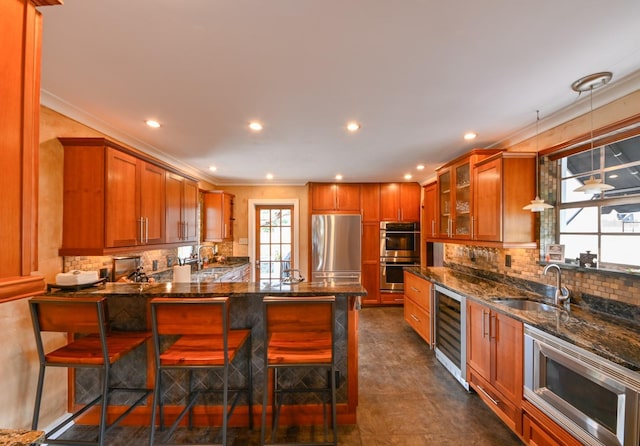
<point x="190" y="316"/>
<point x="72" y="315"/>
<point x="300" y="314"/>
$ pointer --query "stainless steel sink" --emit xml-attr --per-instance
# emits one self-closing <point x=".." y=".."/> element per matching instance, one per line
<point x="525" y="304"/>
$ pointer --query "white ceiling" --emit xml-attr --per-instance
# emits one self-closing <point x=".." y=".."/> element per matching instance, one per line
<point x="417" y="75"/>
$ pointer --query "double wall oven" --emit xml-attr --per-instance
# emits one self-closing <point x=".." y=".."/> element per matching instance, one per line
<point x="594" y="399"/>
<point x="399" y="247"/>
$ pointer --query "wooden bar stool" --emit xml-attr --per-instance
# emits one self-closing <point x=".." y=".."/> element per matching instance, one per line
<point x="299" y="332"/>
<point x="91" y="345"/>
<point x="204" y="342"/>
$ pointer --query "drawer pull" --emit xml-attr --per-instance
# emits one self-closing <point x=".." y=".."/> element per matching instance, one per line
<point x="415" y="289"/>
<point x="415" y="318"/>
<point x="494" y="401"/>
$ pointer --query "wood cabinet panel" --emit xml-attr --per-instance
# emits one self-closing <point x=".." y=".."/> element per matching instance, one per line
<point x="371" y="283"/>
<point x="21" y="25"/>
<point x="400" y="202"/>
<point x="218" y="216"/>
<point x="417" y="305"/>
<point x="539" y="430"/>
<point x="122" y="187"/>
<point x="152" y="202"/>
<point x="502" y="184"/>
<point x="429" y="211"/>
<point x="495" y="361"/>
<point x="370" y="202"/>
<point x="392" y="298"/>
<point x="334" y="197"/>
<point x="181" y="197"/>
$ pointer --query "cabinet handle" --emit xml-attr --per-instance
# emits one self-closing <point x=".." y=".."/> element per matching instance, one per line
<point x="433" y="228"/>
<point x="485" y="332"/>
<point x="146" y="230"/>
<point x="494" y="401"/>
<point x="415" y="289"/>
<point x="492" y="327"/>
<point x="141" y="230"/>
<point x="472" y="228"/>
<point x="413" y="316"/>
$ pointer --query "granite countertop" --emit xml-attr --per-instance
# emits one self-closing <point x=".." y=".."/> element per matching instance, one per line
<point x="610" y="337"/>
<point x="196" y="289"/>
<point x="20" y="437"/>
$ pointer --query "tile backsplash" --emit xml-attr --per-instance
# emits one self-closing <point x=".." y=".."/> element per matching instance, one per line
<point x="163" y="258"/>
<point x="525" y="265"/>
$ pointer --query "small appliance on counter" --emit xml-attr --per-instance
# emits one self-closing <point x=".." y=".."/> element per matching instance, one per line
<point x="75" y="280"/>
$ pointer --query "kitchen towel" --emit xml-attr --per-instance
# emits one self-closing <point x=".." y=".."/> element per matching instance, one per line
<point x="182" y="274"/>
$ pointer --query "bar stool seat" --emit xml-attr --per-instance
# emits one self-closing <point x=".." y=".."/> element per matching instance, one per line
<point x="204" y="342"/>
<point x="299" y="332"/>
<point x="92" y="344"/>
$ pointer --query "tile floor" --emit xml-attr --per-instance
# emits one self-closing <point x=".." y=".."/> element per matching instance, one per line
<point x="406" y="398"/>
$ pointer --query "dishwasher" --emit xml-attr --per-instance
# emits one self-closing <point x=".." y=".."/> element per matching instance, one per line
<point x="451" y="332"/>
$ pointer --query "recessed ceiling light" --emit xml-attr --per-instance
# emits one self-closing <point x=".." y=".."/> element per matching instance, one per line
<point x="213" y="168"/>
<point x="353" y="126"/>
<point x="338" y="177"/>
<point x="269" y="176"/>
<point x="152" y="123"/>
<point x="469" y="136"/>
<point x="407" y="176"/>
<point x="614" y="175"/>
<point x="420" y="167"/>
<point x="255" y="126"/>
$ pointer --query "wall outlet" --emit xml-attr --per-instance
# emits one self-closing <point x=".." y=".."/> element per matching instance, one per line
<point x="243" y="241"/>
<point x="154" y="265"/>
<point x="507" y="260"/>
<point x="169" y="261"/>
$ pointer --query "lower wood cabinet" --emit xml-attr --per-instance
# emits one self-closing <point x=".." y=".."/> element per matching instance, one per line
<point x="540" y="430"/>
<point x="391" y="298"/>
<point x="417" y="305"/>
<point x="495" y="361"/>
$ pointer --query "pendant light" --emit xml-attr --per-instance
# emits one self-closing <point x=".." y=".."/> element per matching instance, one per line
<point x="588" y="83"/>
<point x="537" y="204"/>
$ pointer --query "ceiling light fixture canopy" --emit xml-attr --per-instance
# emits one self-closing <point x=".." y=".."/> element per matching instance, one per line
<point x="537" y="204"/>
<point x="588" y="83"/>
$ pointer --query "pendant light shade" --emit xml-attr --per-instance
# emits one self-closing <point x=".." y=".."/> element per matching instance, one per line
<point x="592" y="186"/>
<point x="537" y="204"/>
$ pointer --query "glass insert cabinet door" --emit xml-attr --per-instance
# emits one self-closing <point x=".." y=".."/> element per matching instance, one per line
<point x="462" y="226"/>
<point x="275" y="243"/>
<point x="444" y="204"/>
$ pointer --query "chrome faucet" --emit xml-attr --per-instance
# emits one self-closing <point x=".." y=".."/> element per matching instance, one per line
<point x="561" y="296"/>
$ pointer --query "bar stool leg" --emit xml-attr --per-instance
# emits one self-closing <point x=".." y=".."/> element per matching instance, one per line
<point x="265" y="390"/>
<point x="36" y="410"/>
<point x="105" y="398"/>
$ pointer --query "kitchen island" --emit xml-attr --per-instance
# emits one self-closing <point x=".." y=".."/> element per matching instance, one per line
<point x="128" y="307"/>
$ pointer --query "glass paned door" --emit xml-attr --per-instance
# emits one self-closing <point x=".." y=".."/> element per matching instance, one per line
<point x="274" y="227"/>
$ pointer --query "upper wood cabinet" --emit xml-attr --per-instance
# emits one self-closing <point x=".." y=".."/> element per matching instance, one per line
<point x="335" y="197"/>
<point x="455" y="195"/>
<point x="135" y="211"/>
<point x="429" y="211"/>
<point x="114" y="200"/>
<point x="370" y="199"/>
<point x="495" y="361"/>
<point x="182" y="209"/>
<point x="503" y="184"/>
<point x="217" y="214"/>
<point x="400" y="202"/>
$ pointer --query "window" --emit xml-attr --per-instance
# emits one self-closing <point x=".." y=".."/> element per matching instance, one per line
<point x="606" y="224"/>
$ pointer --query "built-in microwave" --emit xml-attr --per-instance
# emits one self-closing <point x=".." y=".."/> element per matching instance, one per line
<point x="592" y="398"/>
<point x="399" y="239"/>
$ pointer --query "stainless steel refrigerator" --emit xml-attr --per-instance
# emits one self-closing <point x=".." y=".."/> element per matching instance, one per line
<point x="335" y="248"/>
